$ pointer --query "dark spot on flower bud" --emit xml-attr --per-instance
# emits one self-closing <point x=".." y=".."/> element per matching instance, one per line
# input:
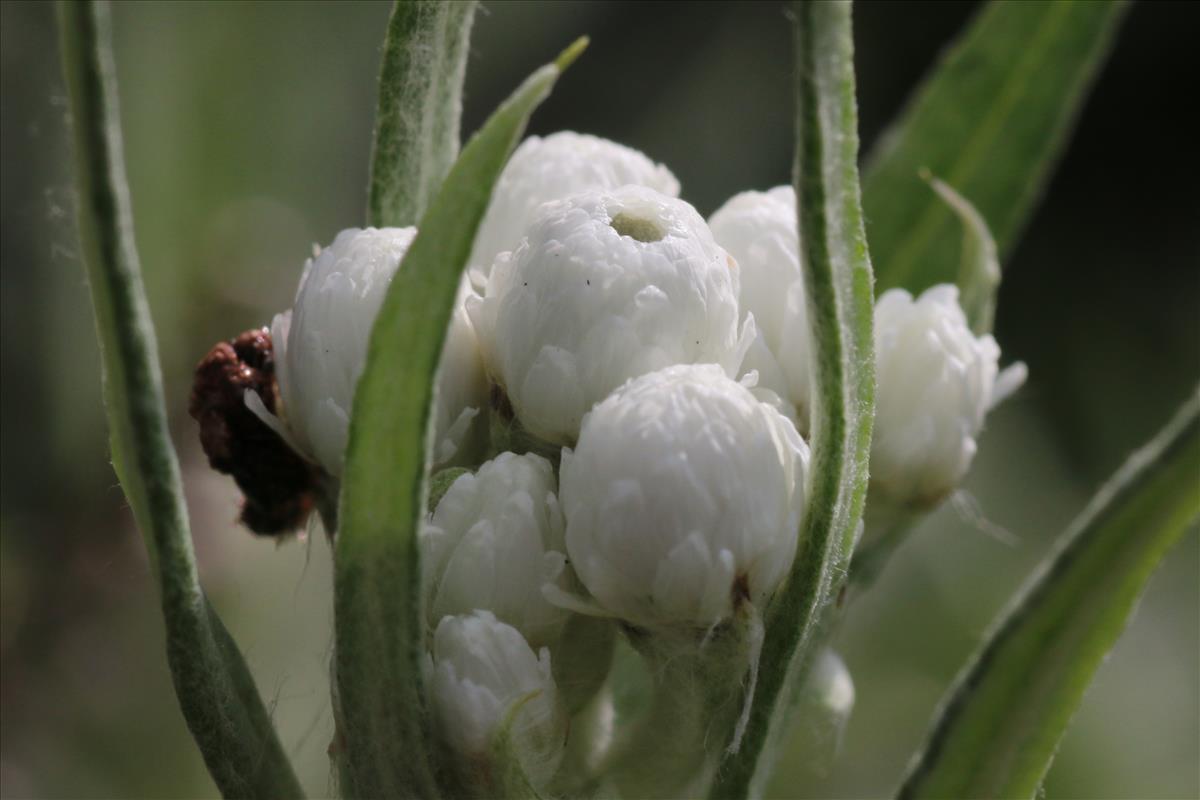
<point x="499" y="402"/>
<point x="741" y="590"/>
<point x="279" y="486"/>
<point x="337" y="745"/>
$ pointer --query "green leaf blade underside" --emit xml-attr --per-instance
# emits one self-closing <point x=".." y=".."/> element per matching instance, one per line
<point x="378" y="618"/>
<point x="840" y="310"/>
<point x="991" y="120"/>
<point x="216" y="691"/>
<point x="998" y="728"/>
<point x="420" y="107"/>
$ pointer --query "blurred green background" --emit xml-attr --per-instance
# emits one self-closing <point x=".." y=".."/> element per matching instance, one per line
<point x="247" y="133"/>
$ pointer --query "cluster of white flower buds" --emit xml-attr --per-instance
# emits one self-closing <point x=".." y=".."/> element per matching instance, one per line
<point x="663" y="363"/>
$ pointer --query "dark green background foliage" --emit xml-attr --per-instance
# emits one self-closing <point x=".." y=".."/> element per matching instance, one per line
<point x="247" y="134"/>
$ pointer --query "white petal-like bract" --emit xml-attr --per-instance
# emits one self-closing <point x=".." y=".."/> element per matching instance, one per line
<point x="605" y="286"/>
<point x="551" y="168"/>
<point x="759" y="230"/>
<point x="936" y="381"/>
<point x="480" y="671"/>
<point x="460" y="403"/>
<point x="683" y="496"/>
<point x="495" y="537"/>
<point x="321" y="346"/>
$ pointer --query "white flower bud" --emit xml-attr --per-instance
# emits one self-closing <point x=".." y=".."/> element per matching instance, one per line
<point x="480" y="672"/>
<point x="936" y="381"/>
<point x="552" y="168"/>
<point x="321" y="347"/>
<point x="462" y="385"/>
<point x="606" y="286"/>
<point x="759" y="230"/>
<point x="494" y="539"/>
<point x="683" y="497"/>
<point x="823" y="711"/>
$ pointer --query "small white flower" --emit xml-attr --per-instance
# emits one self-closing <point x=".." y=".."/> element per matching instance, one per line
<point x="494" y="539"/>
<point x="936" y="381"/>
<point x="759" y="230"/>
<point x="606" y="286"/>
<point x="684" y="491"/>
<point x="321" y="347"/>
<point x="480" y="671"/>
<point x="552" y="168"/>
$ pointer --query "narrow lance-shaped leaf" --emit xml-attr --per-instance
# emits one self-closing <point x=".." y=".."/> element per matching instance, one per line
<point x="420" y="107"/>
<point x="978" y="281"/>
<point x="979" y="264"/>
<point x="991" y="121"/>
<point x="998" y="729"/>
<point x="378" y="617"/>
<point x="837" y="272"/>
<point x="216" y="691"/>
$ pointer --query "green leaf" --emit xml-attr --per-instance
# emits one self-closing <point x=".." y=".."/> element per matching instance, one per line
<point x="990" y="120"/>
<point x="379" y="627"/>
<point x="441" y="483"/>
<point x="837" y="272"/>
<point x="979" y="266"/>
<point x="998" y="728"/>
<point x="420" y="106"/>
<point x="216" y="691"/>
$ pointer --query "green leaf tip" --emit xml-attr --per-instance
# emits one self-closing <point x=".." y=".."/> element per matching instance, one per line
<point x="979" y="263"/>
<point x="996" y="732"/>
<point x="567" y="57"/>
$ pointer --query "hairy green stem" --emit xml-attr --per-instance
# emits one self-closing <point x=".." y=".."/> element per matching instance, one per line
<point x="838" y="283"/>
<point x="698" y="696"/>
<point x="216" y="691"/>
<point x="420" y="107"/>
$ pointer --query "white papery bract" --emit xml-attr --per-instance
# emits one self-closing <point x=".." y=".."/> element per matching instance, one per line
<point x="759" y="230"/>
<point x="683" y="493"/>
<point x="936" y="381"/>
<point x="606" y="286"/>
<point x="462" y="385"/>
<point x="552" y="168"/>
<point x="321" y="347"/>
<point x="494" y="539"/>
<point x="481" y="671"/>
